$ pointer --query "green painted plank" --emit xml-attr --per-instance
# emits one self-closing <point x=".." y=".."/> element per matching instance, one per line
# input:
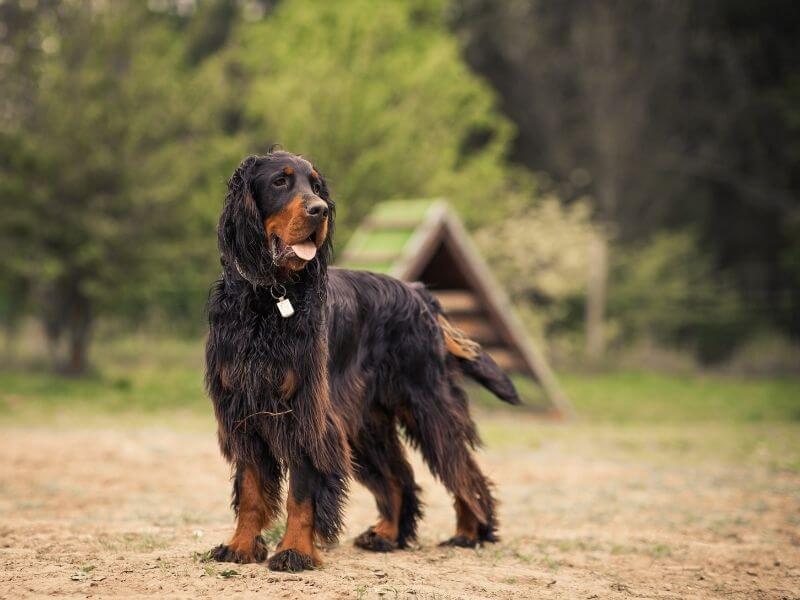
<point x="402" y="209"/>
<point x="391" y="240"/>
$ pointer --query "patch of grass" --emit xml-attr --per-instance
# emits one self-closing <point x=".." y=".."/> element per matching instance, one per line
<point x="274" y="534"/>
<point x="774" y="446"/>
<point x="132" y="542"/>
<point x="130" y="375"/>
<point x="210" y="570"/>
<point x="626" y="396"/>
<point x="202" y="557"/>
<point x="142" y="376"/>
<point x="619" y="549"/>
<point x="496" y="554"/>
<point x="659" y="551"/>
<point x="553" y="564"/>
<point x="573" y="545"/>
<point x="227" y="574"/>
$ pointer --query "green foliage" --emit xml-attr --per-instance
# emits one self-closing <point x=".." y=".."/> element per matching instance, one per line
<point x="668" y="291"/>
<point x="98" y="197"/>
<point x="381" y="99"/>
<point x="593" y="89"/>
<point x="126" y="123"/>
<point x="541" y="257"/>
<point x="121" y="120"/>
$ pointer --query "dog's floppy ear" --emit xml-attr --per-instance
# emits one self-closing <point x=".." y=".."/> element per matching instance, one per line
<point x="240" y="232"/>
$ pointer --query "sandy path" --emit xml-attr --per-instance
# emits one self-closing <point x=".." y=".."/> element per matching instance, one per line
<point x="105" y="513"/>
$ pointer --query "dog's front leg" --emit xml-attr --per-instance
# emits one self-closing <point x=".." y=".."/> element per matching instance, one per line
<point x="296" y="551"/>
<point x="256" y="493"/>
<point x="313" y="506"/>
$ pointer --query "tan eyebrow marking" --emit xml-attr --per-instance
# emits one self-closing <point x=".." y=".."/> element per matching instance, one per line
<point x="314" y="173"/>
<point x="288" y="171"/>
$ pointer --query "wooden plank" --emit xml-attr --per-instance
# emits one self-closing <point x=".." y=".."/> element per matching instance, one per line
<point x="500" y="306"/>
<point x="458" y="301"/>
<point x="507" y="360"/>
<point x="441" y="226"/>
<point x="477" y="327"/>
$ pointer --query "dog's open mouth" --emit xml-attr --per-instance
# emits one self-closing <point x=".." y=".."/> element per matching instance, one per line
<point x="305" y="250"/>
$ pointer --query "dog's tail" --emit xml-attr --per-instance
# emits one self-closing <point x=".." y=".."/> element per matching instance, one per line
<point x="471" y="359"/>
<point x="475" y="363"/>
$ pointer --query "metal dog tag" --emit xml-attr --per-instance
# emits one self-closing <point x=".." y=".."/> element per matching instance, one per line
<point x="285" y="307"/>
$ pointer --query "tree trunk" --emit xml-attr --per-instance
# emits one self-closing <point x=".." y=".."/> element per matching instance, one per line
<point x="79" y="328"/>
<point x="67" y="325"/>
<point x="596" y="289"/>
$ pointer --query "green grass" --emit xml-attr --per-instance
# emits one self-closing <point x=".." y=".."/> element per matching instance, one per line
<point x="772" y="445"/>
<point x="130" y="375"/>
<point x="647" y="396"/>
<point x="140" y="375"/>
<point x="142" y="381"/>
<point x="642" y="396"/>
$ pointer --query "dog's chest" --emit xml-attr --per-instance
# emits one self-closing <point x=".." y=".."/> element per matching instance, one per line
<point x="266" y="348"/>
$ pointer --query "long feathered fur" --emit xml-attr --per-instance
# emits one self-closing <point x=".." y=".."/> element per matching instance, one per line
<point x="322" y="393"/>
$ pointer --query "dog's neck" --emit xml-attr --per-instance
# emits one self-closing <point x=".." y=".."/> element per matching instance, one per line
<point x="281" y="276"/>
<point x="306" y="289"/>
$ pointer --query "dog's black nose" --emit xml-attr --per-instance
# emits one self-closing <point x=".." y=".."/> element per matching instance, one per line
<point x="317" y="209"/>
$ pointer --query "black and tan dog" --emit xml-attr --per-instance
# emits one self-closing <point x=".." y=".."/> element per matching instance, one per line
<point x="311" y="370"/>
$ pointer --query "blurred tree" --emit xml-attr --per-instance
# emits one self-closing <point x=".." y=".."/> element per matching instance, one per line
<point x="550" y="243"/>
<point x="381" y="99"/>
<point x="126" y="119"/>
<point x="669" y="114"/>
<point x="18" y="58"/>
<point x="666" y="291"/>
<point x="95" y="193"/>
<point x="579" y="80"/>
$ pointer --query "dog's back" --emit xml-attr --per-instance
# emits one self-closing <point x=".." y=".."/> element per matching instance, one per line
<point x="379" y="323"/>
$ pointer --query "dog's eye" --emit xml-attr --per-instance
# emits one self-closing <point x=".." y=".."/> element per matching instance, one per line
<point x="316" y="187"/>
<point x="280" y="182"/>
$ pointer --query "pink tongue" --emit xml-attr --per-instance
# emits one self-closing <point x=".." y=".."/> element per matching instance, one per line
<point x="305" y="250"/>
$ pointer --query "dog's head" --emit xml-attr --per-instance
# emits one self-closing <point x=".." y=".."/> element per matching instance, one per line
<point x="277" y="218"/>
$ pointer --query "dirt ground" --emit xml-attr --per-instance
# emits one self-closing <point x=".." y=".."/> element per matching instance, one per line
<point x="102" y="512"/>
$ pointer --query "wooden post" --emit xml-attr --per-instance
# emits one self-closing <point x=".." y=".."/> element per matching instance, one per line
<point x="596" y="289"/>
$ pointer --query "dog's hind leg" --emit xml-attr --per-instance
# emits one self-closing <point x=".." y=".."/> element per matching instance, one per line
<point x="381" y="465"/>
<point x="444" y="432"/>
<point x="256" y="501"/>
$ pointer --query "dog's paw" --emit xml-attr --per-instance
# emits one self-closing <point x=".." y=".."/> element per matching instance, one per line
<point x="225" y="553"/>
<point x="369" y="540"/>
<point x="291" y="561"/>
<point x="460" y="541"/>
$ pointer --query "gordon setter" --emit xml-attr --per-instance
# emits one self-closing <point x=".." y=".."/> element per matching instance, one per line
<point x="311" y="370"/>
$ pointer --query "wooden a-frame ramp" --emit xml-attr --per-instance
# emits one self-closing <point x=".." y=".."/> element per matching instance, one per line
<point x="423" y="240"/>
